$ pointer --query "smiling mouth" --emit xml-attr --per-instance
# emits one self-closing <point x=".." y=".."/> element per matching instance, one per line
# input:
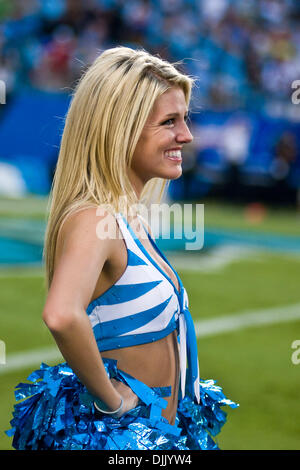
<point x="174" y="155"/>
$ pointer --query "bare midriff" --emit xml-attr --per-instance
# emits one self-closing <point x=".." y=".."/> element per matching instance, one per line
<point x="156" y="364"/>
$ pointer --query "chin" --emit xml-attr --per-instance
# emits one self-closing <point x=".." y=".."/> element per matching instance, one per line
<point x="175" y="174"/>
<point x="168" y="173"/>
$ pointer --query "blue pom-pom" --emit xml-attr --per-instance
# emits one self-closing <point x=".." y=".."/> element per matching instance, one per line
<point x="56" y="412"/>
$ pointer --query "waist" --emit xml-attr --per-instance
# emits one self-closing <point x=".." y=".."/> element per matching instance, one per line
<point x="156" y="364"/>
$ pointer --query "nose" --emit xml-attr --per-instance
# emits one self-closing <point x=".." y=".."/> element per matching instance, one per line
<point x="184" y="135"/>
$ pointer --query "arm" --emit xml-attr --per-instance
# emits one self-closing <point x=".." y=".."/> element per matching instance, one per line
<point x="78" y="268"/>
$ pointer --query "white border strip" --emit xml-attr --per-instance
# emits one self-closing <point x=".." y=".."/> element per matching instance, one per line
<point x="204" y="328"/>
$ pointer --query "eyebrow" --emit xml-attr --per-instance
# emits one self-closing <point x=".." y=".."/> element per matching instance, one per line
<point x="176" y="114"/>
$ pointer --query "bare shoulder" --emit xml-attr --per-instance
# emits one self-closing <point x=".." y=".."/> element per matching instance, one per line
<point x="90" y="224"/>
<point x="89" y="233"/>
<point x="83" y="248"/>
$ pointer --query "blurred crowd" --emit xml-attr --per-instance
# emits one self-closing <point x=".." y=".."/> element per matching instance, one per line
<point x="243" y="53"/>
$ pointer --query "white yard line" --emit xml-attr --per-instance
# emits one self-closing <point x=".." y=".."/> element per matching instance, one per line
<point x="24" y="359"/>
<point x="218" y="258"/>
<point x="204" y="328"/>
<point x="255" y="318"/>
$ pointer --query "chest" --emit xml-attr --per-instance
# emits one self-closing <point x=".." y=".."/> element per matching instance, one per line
<point x="160" y="261"/>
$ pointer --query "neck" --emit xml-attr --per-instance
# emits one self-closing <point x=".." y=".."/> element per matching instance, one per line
<point x="137" y="184"/>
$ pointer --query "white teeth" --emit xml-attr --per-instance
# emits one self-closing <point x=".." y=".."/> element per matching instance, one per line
<point x="173" y="153"/>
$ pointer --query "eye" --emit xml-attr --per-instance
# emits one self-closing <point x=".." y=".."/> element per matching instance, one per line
<point x="168" y="122"/>
<point x="171" y="121"/>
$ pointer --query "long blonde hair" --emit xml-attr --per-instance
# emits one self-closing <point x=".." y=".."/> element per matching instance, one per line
<point x="108" y="111"/>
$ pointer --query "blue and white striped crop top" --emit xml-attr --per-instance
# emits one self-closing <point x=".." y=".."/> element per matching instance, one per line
<point x="144" y="305"/>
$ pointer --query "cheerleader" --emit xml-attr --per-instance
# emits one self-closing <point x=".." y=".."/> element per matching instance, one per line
<point x="116" y="308"/>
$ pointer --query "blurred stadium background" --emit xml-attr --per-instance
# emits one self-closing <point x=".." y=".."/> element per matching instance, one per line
<point x="244" y="166"/>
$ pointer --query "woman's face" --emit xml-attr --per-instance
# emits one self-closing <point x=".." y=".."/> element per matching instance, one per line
<point x="158" y="151"/>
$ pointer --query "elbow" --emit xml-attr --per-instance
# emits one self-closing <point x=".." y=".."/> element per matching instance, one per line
<point x="57" y="322"/>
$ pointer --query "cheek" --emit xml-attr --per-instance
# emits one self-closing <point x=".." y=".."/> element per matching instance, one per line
<point x="144" y="152"/>
<point x="150" y="149"/>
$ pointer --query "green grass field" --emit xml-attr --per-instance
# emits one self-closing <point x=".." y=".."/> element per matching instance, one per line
<point x="253" y="365"/>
